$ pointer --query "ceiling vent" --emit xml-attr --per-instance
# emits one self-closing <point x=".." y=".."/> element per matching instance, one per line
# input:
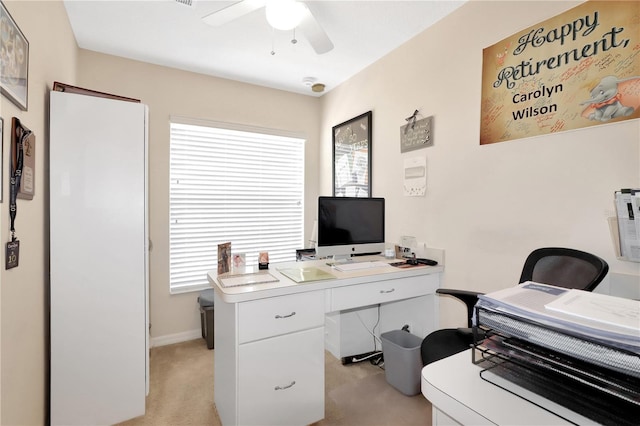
<point x="189" y="3"/>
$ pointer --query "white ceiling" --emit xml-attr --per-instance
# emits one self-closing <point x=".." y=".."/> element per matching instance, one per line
<point x="171" y="33"/>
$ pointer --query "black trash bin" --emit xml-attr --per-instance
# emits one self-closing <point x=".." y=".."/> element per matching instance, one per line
<point x="206" y="315"/>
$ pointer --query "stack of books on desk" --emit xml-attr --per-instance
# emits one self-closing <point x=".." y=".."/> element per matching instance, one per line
<point x="578" y="349"/>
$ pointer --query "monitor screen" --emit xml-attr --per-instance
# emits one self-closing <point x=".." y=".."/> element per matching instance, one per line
<point x="350" y="226"/>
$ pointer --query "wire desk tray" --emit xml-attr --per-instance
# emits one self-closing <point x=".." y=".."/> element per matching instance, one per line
<point x="599" y="389"/>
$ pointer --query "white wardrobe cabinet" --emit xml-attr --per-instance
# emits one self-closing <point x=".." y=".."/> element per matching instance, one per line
<point x="98" y="259"/>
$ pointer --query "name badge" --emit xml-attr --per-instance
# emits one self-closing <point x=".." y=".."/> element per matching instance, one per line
<point x="13" y="254"/>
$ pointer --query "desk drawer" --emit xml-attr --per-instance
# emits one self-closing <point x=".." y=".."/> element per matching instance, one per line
<point x="281" y="380"/>
<point x="274" y="316"/>
<point x="356" y="296"/>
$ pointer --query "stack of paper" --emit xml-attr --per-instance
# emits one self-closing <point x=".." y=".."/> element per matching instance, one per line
<point x="622" y="315"/>
<point x="607" y="320"/>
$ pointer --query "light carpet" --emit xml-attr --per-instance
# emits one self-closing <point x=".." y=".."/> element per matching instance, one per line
<point x="181" y="392"/>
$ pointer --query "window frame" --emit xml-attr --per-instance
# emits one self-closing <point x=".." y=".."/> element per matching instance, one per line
<point x="290" y="137"/>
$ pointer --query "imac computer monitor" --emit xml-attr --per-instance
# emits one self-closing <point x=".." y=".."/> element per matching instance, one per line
<point x="350" y="226"/>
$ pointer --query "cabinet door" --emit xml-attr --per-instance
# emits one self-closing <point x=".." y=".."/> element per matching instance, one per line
<point x="282" y="380"/>
<point x="98" y="259"/>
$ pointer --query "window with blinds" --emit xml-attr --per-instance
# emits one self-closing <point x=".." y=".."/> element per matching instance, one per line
<point x="232" y="186"/>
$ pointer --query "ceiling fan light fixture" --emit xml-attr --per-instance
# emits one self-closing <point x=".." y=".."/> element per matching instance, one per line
<point x="284" y="14"/>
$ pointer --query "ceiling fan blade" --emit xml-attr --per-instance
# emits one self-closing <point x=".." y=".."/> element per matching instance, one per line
<point x="314" y="33"/>
<point x="232" y="12"/>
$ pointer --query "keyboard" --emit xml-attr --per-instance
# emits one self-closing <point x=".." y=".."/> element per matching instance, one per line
<point x="357" y="266"/>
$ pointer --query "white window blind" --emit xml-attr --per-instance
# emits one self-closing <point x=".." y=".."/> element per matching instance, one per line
<point x="232" y="186"/>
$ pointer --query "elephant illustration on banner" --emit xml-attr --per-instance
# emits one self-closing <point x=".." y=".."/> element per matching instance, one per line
<point x="613" y="97"/>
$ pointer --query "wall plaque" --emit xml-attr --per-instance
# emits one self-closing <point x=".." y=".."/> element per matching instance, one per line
<point x="416" y="135"/>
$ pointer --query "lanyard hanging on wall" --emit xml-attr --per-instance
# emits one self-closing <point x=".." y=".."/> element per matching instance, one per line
<point x="20" y="135"/>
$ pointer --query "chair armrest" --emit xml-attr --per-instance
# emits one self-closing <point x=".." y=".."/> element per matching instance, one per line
<point x="470" y="298"/>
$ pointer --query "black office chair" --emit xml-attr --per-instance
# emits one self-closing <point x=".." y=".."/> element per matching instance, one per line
<point x="557" y="266"/>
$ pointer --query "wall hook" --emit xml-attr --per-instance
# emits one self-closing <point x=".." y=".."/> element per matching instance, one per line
<point x="412" y="120"/>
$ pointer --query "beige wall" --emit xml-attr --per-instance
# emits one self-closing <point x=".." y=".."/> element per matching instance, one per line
<point x="487" y="206"/>
<point x="170" y="92"/>
<point x="24" y="290"/>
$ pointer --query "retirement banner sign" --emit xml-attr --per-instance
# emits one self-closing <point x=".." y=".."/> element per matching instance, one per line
<point x="579" y="69"/>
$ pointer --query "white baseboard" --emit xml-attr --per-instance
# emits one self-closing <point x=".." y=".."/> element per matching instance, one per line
<point x="170" y="339"/>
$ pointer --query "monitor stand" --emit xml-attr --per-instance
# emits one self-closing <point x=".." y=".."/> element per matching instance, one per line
<point x="373" y="253"/>
<point x="341" y="259"/>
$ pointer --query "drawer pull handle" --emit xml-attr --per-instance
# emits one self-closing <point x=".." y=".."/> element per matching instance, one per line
<point x="285" y="316"/>
<point x="388" y="291"/>
<point x="285" y="387"/>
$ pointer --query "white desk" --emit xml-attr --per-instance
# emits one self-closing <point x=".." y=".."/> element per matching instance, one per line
<point x="270" y="338"/>
<point x="459" y="396"/>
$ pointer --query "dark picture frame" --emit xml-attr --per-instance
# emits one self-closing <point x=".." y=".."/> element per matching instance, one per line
<point x="1" y="157"/>
<point x="352" y="157"/>
<point x="21" y="133"/>
<point x="14" y="72"/>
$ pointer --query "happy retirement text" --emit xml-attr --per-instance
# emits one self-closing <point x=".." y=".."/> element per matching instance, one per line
<point x="581" y="27"/>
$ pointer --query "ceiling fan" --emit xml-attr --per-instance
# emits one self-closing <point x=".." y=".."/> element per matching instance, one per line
<point x="282" y="15"/>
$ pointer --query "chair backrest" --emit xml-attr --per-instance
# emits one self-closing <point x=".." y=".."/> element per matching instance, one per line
<point x="564" y="267"/>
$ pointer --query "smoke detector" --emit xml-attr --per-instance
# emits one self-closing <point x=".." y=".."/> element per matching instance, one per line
<point x="312" y="82"/>
<point x="309" y="81"/>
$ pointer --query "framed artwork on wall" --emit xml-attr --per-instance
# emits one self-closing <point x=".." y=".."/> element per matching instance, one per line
<point x="14" y="71"/>
<point x="1" y="156"/>
<point x="352" y="157"/>
<point x="23" y="157"/>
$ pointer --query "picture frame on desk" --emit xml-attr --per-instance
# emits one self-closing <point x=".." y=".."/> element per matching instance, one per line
<point x="352" y="157"/>
<point x="14" y="72"/>
<point x="224" y="258"/>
